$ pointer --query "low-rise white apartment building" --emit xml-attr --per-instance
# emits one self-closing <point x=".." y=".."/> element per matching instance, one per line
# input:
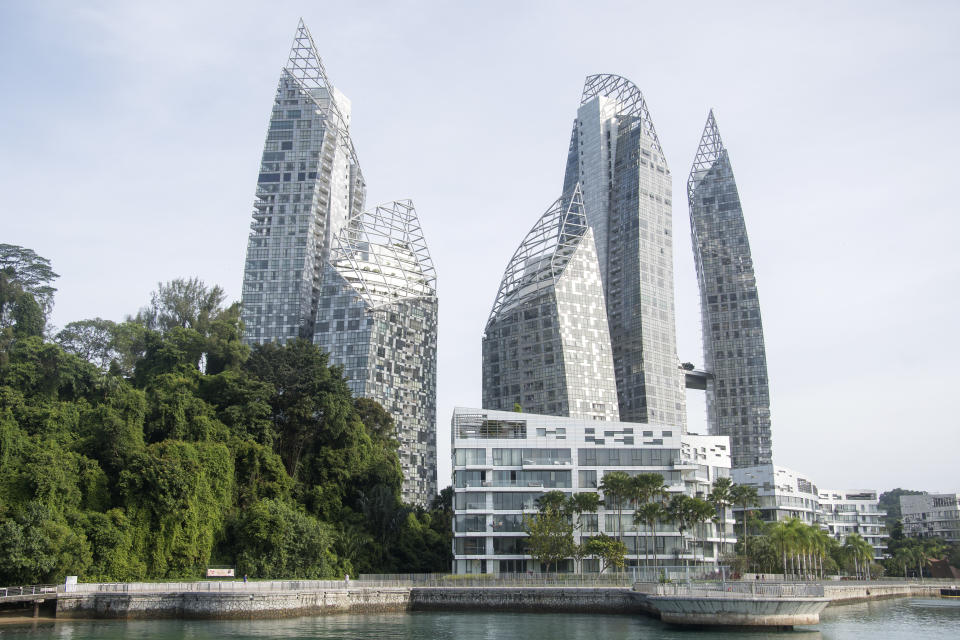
<point x="783" y="493"/>
<point x="931" y="515"/>
<point x="846" y="512"/>
<point x="503" y="461"/>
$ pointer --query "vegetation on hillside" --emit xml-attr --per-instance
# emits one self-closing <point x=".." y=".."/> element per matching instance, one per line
<point x="156" y="447"/>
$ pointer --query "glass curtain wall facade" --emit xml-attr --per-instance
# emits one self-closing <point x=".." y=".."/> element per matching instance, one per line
<point x="377" y="318"/>
<point x="546" y="346"/>
<point x="616" y="157"/>
<point x="738" y="396"/>
<point x="309" y="185"/>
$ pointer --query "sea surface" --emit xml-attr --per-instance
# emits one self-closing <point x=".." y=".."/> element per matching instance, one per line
<point x="897" y="619"/>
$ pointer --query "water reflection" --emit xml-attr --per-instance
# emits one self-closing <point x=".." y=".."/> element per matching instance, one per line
<point x="887" y="619"/>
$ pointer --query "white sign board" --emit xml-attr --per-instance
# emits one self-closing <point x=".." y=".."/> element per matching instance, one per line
<point x="219" y="573"/>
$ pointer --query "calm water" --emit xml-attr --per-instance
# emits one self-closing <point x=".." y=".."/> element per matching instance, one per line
<point x="893" y="619"/>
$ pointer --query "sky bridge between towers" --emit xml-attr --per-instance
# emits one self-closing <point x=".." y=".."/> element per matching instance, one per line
<point x="697" y="379"/>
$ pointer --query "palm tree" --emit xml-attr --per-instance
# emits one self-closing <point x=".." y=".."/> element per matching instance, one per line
<point x="701" y="512"/>
<point x="721" y="498"/>
<point x="616" y="487"/>
<point x="903" y="557"/>
<point x="633" y="497"/>
<point x="745" y="497"/>
<point x="585" y="502"/>
<point x="578" y="504"/>
<point x="679" y="512"/>
<point x="861" y="552"/>
<point x="782" y="534"/>
<point x="821" y="543"/>
<point x="866" y="554"/>
<point x="801" y="537"/>
<point x="646" y="488"/>
<point x="649" y="514"/>
<point x="926" y="551"/>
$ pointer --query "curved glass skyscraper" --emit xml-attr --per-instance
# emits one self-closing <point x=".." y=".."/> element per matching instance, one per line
<point x="378" y="318"/>
<point x="738" y="396"/>
<point x="615" y="156"/>
<point x="546" y="346"/>
<point x="309" y="185"/>
<point x="360" y="284"/>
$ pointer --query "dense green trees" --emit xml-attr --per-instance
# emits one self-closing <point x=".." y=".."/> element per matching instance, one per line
<point x="913" y="556"/>
<point x="550" y="531"/>
<point x="26" y="293"/>
<point x="609" y="551"/>
<point x="155" y="447"/>
<point x="804" y="551"/>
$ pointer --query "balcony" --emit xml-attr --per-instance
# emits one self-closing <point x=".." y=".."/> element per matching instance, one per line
<point x="546" y="464"/>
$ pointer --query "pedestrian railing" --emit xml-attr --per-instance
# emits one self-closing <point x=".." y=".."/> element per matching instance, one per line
<point x="28" y="590"/>
<point x="624" y="578"/>
<point x="208" y="586"/>
<point x="740" y="589"/>
<point x="677" y="583"/>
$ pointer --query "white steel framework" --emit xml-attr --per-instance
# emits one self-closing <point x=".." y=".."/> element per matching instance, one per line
<point x="629" y="99"/>
<point x="383" y="255"/>
<point x="544" y="253"/>
<point x="306" y="67"/>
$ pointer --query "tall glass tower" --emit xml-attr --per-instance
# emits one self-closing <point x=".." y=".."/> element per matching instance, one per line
<point x="310" y="183"/>
<point x="546" y="346"/>
<point x="616" y="157"/>
<point x="360" y="284"/>
<point x="738" y="398"/>
<point x="378" y="318"/>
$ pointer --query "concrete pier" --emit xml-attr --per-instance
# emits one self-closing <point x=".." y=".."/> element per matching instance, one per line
<point x="738" y="612"/>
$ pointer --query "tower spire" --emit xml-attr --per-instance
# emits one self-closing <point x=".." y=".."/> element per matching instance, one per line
<point x="709" y="151"/>
<point x="629" y="97"/>
<point x="305" y="66"/>
<point x="304" y="62"/>
<point x="711" y="146"/>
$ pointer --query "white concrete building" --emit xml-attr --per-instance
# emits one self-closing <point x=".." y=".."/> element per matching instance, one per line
<point x="846" y="512"/>
<point x="783" y="493"/>
<point x="931" y="515"/>
<point x="503" y="461"/>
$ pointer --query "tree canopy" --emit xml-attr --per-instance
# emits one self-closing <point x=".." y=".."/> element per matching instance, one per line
<point x="23" y="271"/>
<point x="155" y="447"/>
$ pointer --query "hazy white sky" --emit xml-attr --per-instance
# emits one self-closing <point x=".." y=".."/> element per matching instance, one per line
<point x="132" y="133"/>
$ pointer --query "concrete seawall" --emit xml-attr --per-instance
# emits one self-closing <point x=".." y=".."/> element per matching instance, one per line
<point x="238" y="604"/>
<point x="535" y="599"/>
<point x="850" y="592"/>
<point x="318" y="600"/>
